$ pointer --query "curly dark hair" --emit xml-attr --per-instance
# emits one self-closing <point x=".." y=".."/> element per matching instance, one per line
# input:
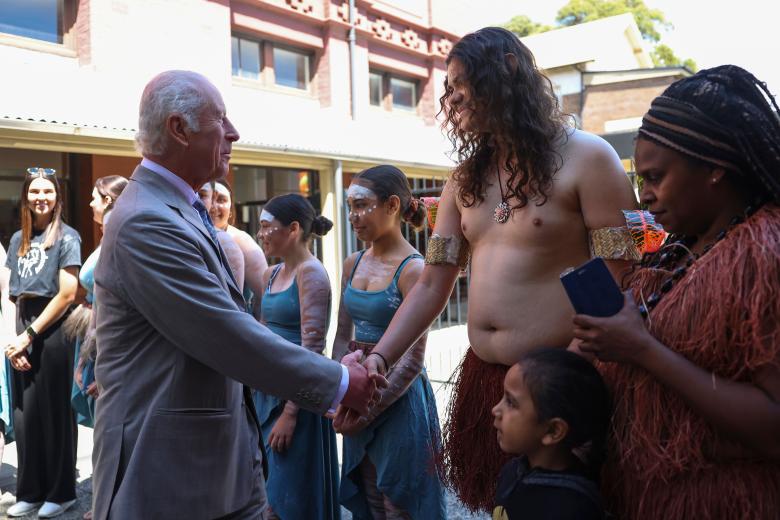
<point x="515" y="112"/>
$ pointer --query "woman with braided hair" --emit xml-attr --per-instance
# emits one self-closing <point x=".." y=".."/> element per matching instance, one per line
<point x="693" y="358"/>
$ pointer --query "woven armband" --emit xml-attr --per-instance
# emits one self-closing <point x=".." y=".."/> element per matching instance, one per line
<point x="613" y="243"/>
<point x="451" y="250"/>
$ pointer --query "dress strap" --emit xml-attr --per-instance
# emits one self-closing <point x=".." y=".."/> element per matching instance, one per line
<point x="277" y="268"/>
<point x="406" y="260"/>
<point x="354" y="267"/>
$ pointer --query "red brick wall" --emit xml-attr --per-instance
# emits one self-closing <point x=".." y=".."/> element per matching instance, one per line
<point x="83" y="36"/>
<point x="572" y="104"/>
<point x="619" y="101"/>
<point x="323" y="79"/>
<point x="427" y="101"/>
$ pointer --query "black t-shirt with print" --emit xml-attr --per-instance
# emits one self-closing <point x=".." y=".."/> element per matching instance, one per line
<point x="525" y="493"/>
<point x="37" y="272"/>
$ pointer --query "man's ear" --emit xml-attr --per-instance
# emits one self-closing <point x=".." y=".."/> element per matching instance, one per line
<point x="557" y="429"/>
<point x="177" y="129"/>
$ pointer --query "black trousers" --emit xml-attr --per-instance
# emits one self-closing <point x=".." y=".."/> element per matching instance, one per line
<point x="44" y="422"/>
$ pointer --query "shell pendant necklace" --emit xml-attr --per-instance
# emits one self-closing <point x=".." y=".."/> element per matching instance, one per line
<point x="503" y="211"/>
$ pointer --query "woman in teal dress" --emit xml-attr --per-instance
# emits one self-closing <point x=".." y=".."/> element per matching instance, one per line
<point x="7" y="324"/>
<point x="80" y="324"/>
<point x="301" y="448"/>
<point x="388" y="467"/>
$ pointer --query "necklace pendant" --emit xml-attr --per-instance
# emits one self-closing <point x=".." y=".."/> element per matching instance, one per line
<point x="502" y="212"/>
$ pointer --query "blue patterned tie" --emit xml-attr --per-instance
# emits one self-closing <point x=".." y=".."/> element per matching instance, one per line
<point x="204" y="216"/>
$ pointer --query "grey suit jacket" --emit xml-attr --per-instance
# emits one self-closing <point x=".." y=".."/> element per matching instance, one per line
<point x="174" y="437"/>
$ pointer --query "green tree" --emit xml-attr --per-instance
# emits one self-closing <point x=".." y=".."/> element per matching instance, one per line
<point x="664" y="56"/>
<point x="523" y="26"/>
<point x="648" y="20"/>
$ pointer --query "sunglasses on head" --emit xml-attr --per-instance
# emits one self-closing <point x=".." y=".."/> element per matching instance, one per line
<point x="41" y="172"/>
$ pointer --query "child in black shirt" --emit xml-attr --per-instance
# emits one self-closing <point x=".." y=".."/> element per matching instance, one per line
<point x="554" y="414"/>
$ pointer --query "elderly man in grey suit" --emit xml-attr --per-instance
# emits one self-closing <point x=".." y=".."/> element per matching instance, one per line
<point x="176" y="435"/>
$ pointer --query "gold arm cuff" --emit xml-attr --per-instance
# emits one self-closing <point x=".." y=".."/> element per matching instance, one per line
<point x="451" y="250"/>
<point x="613" y="243"/>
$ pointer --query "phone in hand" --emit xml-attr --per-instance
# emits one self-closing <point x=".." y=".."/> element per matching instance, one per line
<point x="592" y="290"/>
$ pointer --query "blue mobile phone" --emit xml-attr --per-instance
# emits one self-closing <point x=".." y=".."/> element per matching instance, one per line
<point x="592" y="290"/>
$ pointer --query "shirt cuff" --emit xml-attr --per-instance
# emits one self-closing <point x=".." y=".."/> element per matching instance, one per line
<point x="343" y="385"/>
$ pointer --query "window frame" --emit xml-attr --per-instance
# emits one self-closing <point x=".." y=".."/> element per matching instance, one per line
<point x="387" y="103"/>
<point x="295" y="50"/>
<point x="261" y="58"/>
<point x="267" y="77"/>
<point x="67" y="11"/>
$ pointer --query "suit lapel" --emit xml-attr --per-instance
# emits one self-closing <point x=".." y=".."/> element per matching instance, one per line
<point x="172" y="197"/>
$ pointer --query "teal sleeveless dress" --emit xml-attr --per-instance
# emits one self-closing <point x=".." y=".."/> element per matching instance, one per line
<point x="83" y="404"/>
<point x="402" y="441"/>
<point x="302" y="483"/>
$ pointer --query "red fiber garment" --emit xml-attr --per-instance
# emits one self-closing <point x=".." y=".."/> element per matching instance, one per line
<point x="665" y="461"/>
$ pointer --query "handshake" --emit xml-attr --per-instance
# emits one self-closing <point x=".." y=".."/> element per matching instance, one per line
<point x="366" y="380"/>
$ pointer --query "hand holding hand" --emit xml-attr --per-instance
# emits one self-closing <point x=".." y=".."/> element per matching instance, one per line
<point x="348" y="422"/>
<point x="362" y="388"/>
<point x="622" y="338"/>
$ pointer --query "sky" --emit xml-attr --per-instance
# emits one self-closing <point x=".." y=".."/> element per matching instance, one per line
<point x="714" y="32"/>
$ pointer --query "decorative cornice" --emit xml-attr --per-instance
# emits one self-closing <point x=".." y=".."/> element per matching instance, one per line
<point x="303" y="6"/>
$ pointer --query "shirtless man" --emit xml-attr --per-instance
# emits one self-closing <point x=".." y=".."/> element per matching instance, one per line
<point x="559" y="186"/>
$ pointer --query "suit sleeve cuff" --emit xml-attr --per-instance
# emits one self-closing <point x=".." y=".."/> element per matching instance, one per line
<point x="343" y="385"/>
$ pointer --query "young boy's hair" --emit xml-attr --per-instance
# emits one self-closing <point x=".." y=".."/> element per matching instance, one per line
<point x="565" y="385"/>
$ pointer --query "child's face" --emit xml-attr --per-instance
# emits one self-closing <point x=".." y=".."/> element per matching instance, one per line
<point x="519" y="430"/>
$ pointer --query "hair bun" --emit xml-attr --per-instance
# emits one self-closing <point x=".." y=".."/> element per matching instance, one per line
<point x="321" y="225"/>
<point x="415" y="214"/>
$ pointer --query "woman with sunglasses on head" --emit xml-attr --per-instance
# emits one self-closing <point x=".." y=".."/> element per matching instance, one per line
<point x="255" y="263"/>
<point x="44" y="258"/>
<point x="693" y="358"/>
<point x="300" y="445"/>
<point x="389" y="467"/>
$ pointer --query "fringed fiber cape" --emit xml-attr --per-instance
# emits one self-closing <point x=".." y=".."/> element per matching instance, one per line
<point x="665" y="460"/>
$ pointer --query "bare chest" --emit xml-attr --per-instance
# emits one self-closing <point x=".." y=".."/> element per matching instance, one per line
<point x="538" y="224"/>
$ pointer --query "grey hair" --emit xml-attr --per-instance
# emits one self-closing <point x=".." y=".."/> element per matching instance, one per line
<point x="177" y="92"/>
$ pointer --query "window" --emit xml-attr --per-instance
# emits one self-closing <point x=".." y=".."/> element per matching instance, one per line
<point x="392" y="92"/>
<point x="246" y="58"/>
<point x="40" y="20"/>
<point x="375" y="88"/>
<point x="269" y="63"/>
<point x="404" y="93"/>
<point x="291" y="68"/>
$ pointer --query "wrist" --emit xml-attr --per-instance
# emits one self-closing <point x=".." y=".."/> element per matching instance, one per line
<point x="30" y="333"/>
<point x="383" y="359"/>
<point x="648" y="353"/>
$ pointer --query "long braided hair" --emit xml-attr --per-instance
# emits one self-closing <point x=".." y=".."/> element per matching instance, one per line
<point x="726" y="117"/>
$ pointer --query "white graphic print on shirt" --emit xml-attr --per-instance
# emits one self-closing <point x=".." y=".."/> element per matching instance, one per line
<point x="33" y="262"/>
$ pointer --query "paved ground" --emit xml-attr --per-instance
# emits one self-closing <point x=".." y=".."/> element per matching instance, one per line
<point x="455" y="510"/>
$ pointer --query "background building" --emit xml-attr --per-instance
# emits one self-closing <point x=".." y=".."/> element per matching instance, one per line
<point x="604" y="76"/>
<point x="312" y="108"/>
<point x="314" y="102"/>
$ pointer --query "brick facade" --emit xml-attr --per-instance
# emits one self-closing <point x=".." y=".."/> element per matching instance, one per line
<point x="623" y="100"/>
